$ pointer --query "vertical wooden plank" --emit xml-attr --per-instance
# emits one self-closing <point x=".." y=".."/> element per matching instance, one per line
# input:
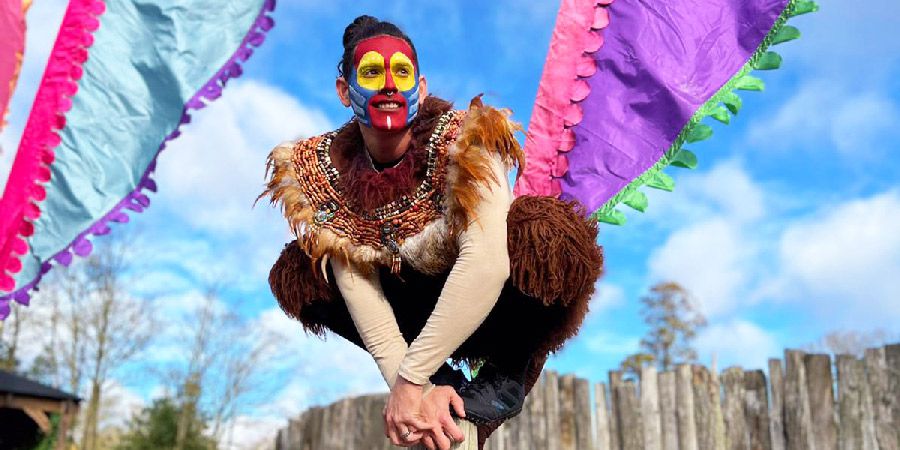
<point x="717" y="416"/>
<point x="523" y="436"/>
<point x="470" y="432"/>
<point x="630" y="416"/>
<point x="703" y="408"/>
<point x="687" y="422"/>
<point x="552" y="411"/>
<point x="820" y="385"/>
<point x="736" y="435"/>
<point x="668" y="410"/>
<point x="892" y="361"/>
<point x="567" y="412"/>
<point x="539" y="414"/>
<point x="602" y="417"/>
<point x="776" y="411"/>
<point x="797" y="416"/>
<point x="650" y="417"/>
<point x="584" y="435"/>
<point x="850" y="372"/>
<point x="877" y="376"/>
<point x="615" y="435"/>
<point x="756" y="409"/>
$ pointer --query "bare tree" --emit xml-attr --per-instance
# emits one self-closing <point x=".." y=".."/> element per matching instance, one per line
<point x="669" y="312"/>
<point x="89" y="328"/>
<point x="10" y="333"/>
<point x="851" y="342"/>
<point x="225" y="360"/>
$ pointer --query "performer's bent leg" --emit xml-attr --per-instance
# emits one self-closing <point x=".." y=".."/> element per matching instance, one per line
<point x="303" y="294"/>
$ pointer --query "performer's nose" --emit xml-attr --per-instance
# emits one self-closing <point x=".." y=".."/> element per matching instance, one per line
<point x="389" y="86"/>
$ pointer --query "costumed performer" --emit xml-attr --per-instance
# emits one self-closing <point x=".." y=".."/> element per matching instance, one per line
<point x="409" y="245"/>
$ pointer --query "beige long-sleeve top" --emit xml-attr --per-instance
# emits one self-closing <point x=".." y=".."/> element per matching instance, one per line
<point x="471" y="291"/>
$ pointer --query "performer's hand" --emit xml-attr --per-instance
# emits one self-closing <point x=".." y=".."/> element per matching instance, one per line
<point x="402" y="414"/>
<point x="436" y="407"/>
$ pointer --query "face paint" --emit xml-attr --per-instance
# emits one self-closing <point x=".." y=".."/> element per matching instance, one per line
<point x="384" y="87"/>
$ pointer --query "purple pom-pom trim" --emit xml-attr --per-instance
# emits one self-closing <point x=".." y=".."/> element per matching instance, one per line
<point x="137" y="201"/>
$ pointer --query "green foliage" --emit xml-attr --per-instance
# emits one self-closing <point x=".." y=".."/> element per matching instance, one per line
<point x="156" y="427"/>
<point x="673" y="323"/>
<point x="49" y="441"/>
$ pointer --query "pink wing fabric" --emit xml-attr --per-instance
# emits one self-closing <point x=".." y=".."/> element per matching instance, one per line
<point x="12" y="46"/>
<point x="576" y="36"/>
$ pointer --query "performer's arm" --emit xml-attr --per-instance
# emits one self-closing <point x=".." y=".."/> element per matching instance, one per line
<point x="473" y="287"/>
<point x="373" y="316"/>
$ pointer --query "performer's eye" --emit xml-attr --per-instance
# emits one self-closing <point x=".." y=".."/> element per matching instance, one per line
<point x="370" y="72"/>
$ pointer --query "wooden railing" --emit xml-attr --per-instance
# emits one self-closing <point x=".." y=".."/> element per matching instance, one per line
<point x="807" y="402"/>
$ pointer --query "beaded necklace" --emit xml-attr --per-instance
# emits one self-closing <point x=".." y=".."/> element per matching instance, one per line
<point x="388" y="226"/>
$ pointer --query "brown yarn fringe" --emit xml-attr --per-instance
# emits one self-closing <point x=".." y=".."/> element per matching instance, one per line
<point x="553" y="250"/>
<point x="486" y="130"/>
<point x="297" y="282"/>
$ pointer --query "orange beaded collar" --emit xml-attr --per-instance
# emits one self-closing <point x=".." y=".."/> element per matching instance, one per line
<point x="388" y="226"/>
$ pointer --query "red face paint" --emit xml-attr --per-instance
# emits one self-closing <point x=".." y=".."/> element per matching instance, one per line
<point x="386" y="78"/>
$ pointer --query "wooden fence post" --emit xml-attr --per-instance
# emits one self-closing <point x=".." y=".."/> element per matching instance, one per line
<point x="584" y="436"/>
<point x="703" y="408"/>
<point x="650" y="417"/>
<point x="820" y="385"/>
<point x="736" y="436"/>
<point x="551" y="402"/>
<point x="567" y="412"/>
<point x="756" y="408"/>
<point x="857" y="427"/>
<point x="615" y="425"/>
<point x="877" y="376"/>
<point x="797" y="416"/>
<point x="687" y="421"/>
<point x="776" y="411"/>
<point x="892" y="361"/>
<point x="602" y="416"/>
<point x="630" y="416"/>
<point x="668" y="410"/>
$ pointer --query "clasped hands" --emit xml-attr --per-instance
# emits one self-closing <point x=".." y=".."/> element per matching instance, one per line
<point x="411" y="416"/>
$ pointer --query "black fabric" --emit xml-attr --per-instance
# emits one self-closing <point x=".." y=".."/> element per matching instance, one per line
<point x="516" y="328"/>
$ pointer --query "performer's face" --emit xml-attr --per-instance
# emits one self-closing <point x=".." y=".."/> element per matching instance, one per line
<point x="384" y="87"/>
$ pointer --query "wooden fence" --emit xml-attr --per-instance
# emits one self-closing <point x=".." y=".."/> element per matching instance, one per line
<point x="807" y="402"/>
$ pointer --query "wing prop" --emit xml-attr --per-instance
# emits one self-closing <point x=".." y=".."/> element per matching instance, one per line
<point x="121" y="79"/>
<point x="12" y="46"/>
<point x="628" y="83"/>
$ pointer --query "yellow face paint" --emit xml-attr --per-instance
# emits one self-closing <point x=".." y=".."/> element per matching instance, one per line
<point x="403" y="72"/>
<point x="370" y="73"/>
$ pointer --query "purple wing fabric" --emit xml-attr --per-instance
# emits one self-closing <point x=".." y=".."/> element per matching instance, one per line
<point x="662" y="68"/>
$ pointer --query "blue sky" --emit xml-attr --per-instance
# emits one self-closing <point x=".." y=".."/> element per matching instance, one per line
<point x="787" y="230"/>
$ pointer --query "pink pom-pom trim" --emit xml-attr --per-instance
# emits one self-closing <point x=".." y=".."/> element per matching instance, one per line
<point x="577" y="35"/>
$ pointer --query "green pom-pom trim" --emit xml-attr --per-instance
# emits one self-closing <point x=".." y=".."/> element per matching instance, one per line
<point x="717" y="107"/>
<point x="637" y="200"/>
<point x="685" y="159"/>
<point x="769" y="61"/>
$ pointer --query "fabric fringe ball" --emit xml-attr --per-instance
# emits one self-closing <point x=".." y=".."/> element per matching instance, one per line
<point x="296" y="282"/>
<point x="553" y="250"/>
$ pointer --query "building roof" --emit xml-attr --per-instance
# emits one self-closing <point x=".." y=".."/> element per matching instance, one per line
<point x="11" y="383"/>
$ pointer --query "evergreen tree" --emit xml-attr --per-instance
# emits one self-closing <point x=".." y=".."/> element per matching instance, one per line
<point x="156" y="428"/>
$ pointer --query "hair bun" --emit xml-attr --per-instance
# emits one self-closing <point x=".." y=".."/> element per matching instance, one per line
<point x="358" y="24"/>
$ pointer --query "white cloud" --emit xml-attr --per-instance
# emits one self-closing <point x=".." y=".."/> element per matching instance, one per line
<point x="711" y="259"/>
<point x="606" y="343"/>
<point x="858" y="124"/>
<point x="737" y="342"/>
<point x="322" y="371"/>
<point x="844" y="261"/>
<point x="211" y="175"/>
<point x="712" y="251"/>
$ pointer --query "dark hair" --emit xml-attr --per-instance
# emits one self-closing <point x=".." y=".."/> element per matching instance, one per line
<point x="362" y="28"/>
